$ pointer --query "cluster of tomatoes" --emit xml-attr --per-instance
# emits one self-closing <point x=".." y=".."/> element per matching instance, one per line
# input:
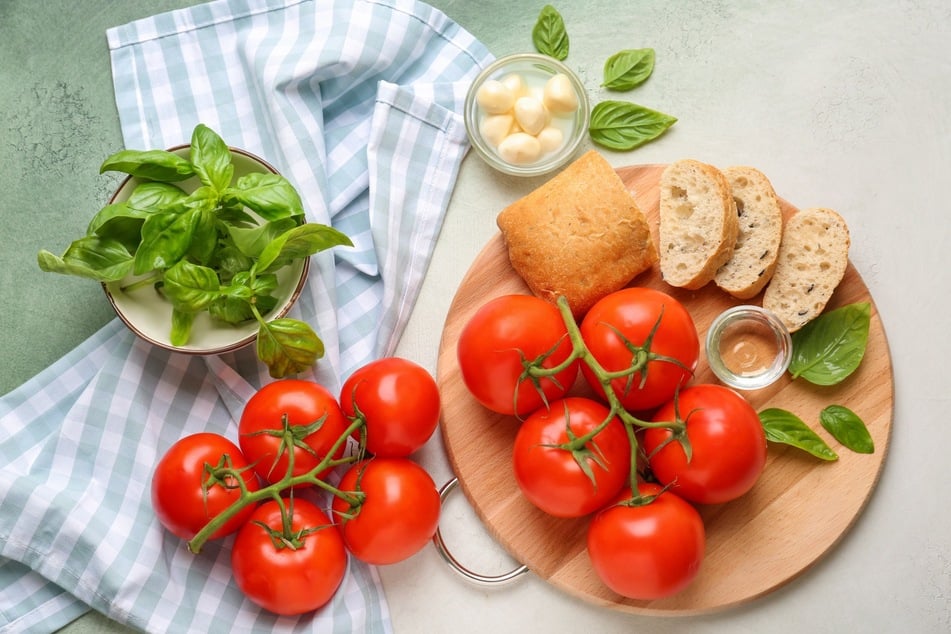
<point x="271" y="488"/>
<point x="611" y="426"/>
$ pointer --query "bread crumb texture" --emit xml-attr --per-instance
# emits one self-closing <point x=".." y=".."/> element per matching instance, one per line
<point x="580" y="235"/>
<point x="698" y="223"/>
<point x="813" y="258"/>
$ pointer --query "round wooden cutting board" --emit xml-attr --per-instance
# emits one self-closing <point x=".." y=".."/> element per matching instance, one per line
<point x="800" y="508"/>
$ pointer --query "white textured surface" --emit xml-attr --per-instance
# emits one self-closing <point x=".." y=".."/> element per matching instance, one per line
<point x="845" y="105"/>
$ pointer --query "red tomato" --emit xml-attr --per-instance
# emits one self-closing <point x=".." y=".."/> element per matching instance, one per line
<point x="551" y="477"/>
<point x="188" y="488"/>
<point x="501" y="337"/>
<point x="312" y="414"/>
<point x="398" y="516"/>
<point x="647" y="551"/>
<point x="728" y="442"/>
<point x="290" y="573"/>
<point x="398" y="400"/>
<point x="652" y="322"/>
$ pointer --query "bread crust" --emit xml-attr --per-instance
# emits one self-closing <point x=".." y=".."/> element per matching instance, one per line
<point x="698" y="223"/>
<point x="580" y="235"/>
<point x="813" y="258"/>
<point x="760" y="216"/>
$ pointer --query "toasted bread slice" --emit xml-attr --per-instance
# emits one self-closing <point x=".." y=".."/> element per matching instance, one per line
<point x="698" y="223"/>
<point x="580" y="235"/>
<point x="751" y="266"/>
<point x="813" y="257"/>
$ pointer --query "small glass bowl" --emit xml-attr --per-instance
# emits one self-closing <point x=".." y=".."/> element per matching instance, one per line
<point x="748" y="347"/>
<point x="535" y="70"/>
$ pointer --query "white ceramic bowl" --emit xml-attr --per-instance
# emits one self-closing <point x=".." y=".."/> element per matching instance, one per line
<point x="149" y="315"/>
<point x="535" y="70"/>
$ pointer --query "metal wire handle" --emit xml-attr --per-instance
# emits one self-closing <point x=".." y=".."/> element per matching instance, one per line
<point x="454" y="563"/>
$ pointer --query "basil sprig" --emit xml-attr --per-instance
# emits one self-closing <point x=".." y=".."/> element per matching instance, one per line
<point x="830" y="347"/>
<point x="549" y="34"/>
<point x="204" y="250"/>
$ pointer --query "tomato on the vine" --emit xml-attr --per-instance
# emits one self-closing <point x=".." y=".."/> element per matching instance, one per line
<point x="501" y="339"/>
<point x="647" y="550"/>
<point x="307" y="410"/>
<point x="399" y="512"/>
<point x="197" y="479"/>
<point x="399" y="402"/>
<point x="568" y="481"/>
<point x="290" y="572"/>
<point x="727" y="441"/>
<point x="639" y="325"/>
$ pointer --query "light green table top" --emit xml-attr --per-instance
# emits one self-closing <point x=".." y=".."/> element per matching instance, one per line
<point x="843" y="104"/>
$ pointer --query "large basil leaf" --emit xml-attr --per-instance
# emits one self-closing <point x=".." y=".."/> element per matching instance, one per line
<point x="251" y="240"/>
<point x="271" y="195"/>
<point x="191" y="287"/>
<point x="622" y="125"/>
<point x="93" y="257"/>
<point x="549" y="34"/>
<point x="211" y="158"/>
<point x="154" y="196"/>
<point x="846" y="427"/>
<point x="788" y="429"/>
<point x="157" y="165"/>
<point x="288" y="346"/>
<point x="628" y="69"/>
<point x="299" y="242"/>
<point x="118" y="221"/>
<point x="830" y="347"/>
<point x="204" y="240"/>
<point x="165" y="240"/>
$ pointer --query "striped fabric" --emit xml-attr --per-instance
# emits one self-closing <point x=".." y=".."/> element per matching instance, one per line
<point x="357" y="102"/>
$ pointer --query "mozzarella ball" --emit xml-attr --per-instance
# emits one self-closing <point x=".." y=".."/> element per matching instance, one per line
<point x="560" y="96"/>
<point x="520" y="149"/>
<point x="494" y="98"/>
<point x="495" y="127"/>
<point x="550" y="139"/>
<point x="531" y="115"/>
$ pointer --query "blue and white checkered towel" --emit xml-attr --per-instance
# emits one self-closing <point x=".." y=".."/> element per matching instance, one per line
<point x="357" y="102"/>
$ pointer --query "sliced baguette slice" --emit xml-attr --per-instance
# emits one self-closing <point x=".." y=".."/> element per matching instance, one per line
<point x="813" y="257"/>
<point x="698" y="223"/>
<point x="760" y="231"/>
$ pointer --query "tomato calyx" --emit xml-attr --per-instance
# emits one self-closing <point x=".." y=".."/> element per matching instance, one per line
<point x="291" y="436"/>
<point x="286" y="536"/>
<point x="679" y="432"/>
<point x="534" y="370"/>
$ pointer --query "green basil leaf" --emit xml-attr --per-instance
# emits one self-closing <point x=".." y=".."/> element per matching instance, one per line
<point x="299" y="242"/>
<point x="252" y="240"/>
<point x="288" y="346"/>
<point x="181" y="327"/>
<point x="628" y="69"/>
<point x="93" y="257"/>
<point x="204" y="238"/>
<point x="154" y="196"/>
<point x="271" y="195"/>
<point x="211" y="158"/>
<point x="165" y="240"/>
<point x="190" y="287"/>
<point x="621" y="125"/>
<point x="118" y="221"/>
<point x="549" y="34"/>
<point x="157" y="165"/>
<point x="846" y="427"/>
<point x="830" y="347"/>
<point x="230" y="261"/>
<point x="788" y="429"/>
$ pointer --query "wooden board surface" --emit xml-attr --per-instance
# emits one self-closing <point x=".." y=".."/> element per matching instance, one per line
<point x="800" y="508"/>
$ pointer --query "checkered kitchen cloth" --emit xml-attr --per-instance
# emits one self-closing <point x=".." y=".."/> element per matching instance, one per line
<point x="358" y="103"/>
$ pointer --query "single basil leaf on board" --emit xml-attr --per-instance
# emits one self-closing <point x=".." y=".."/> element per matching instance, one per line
<point x="181" y="327"/>
<point x="211" y="158"/>
<point x="788" y="429"/>
<point x="549" y="34"/>
<point x="156" y="165"/>
<point x="191" y="287"/>
<point x="299" y="242"/>
<point x="621" y="125"/>
<point x="846" y="427"/>
<point x="288" y="346"/>
<point x="830" y="347"/>
<point x="93" y="257"/>
<point x="271" y="195"/>
<point x="628" y="69"/>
